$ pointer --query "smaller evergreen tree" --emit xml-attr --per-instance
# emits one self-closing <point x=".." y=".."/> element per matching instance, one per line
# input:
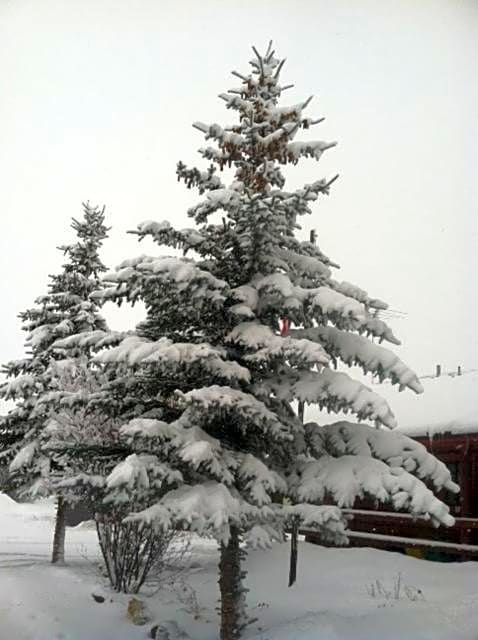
<point x="66" y="309"/>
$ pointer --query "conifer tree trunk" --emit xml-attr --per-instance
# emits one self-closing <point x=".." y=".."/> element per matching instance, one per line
<point x="58" y="553"/>
<point x="232" y="592"/>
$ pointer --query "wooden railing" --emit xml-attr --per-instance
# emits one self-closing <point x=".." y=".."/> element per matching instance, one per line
<point x="390" y="530"/>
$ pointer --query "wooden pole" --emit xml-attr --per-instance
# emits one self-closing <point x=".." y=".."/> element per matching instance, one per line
<point x="294" y="533"/>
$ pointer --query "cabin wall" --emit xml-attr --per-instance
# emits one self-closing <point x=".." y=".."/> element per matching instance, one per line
<point x="396" y="531"/>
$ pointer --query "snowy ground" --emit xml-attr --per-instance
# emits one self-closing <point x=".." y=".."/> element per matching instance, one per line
<point x="330" y="601"/>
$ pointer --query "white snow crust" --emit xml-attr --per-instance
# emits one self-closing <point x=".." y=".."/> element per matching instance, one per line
<point x="329" y="601"/>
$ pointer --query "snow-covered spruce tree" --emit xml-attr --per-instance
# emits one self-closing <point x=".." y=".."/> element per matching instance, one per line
<point x="65" y="310"/>
<point x="212" y="382"/>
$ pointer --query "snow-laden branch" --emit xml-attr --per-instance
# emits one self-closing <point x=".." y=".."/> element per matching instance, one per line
<point x="90" y="340"/>
<point x="394" y="448"/>
<point x="208" y="508"/>
<point x="331" y="390"/>
<point x="304" y="264"/>
<point x="265" y="345"/>
<point x="19" y="386"/>
<point x="180" y="274"/>
<point x="25" y="456"/>
<point x="164" y="234"/>
<point x="331" y="304"/>
<point x="188" y="444"/>
<point x="228" y="199"/>
<point x="358" y="350"/>
<point x="326" y="519"/>
<point x="138" y="472"/>
<point x="322" y="303"/>
<point x="85" y="480"/>
<point x="260" y="482"/>
<point x="307" y="149"/>
<point x="193" y="446"/>
<point x="165" y="353"/>
<point x="251" y="412"/>
<point x="220" y="135"/>
<point x="359" y="294"/>
<point x="350" y="478"/>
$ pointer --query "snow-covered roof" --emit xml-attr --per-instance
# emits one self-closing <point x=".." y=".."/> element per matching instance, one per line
<point x="448" y="404"/>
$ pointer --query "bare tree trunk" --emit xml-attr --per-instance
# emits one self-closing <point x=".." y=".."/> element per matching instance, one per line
<point x="58" y="554"/>
<point x="233" y="614"/>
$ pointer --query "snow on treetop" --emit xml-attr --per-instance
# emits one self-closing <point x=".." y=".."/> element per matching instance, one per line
<point x="224" y="196"/>
<point x="277" y="114"/>
<point x="310" y="149"/>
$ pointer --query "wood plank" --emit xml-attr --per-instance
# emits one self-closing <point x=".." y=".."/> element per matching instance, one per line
<point x="470" y="523"/>
<point x="414" y="542"/>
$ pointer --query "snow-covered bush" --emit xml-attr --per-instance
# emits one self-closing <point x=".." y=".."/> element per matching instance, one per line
<point x="132" y="552"/>
<point x="398" y="589"/>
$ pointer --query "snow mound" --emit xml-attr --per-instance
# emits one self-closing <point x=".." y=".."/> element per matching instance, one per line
<point x="7" y="504"/>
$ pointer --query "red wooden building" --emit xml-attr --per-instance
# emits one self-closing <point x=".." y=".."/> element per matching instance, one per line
<point x="444" y="419"/>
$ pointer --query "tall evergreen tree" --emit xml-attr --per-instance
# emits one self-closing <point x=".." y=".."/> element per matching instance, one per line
<point x="65" y="310"/>
<point x="208" y="380"/>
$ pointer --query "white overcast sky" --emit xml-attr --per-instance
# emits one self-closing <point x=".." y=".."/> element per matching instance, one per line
<point x="97" y="103"/>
